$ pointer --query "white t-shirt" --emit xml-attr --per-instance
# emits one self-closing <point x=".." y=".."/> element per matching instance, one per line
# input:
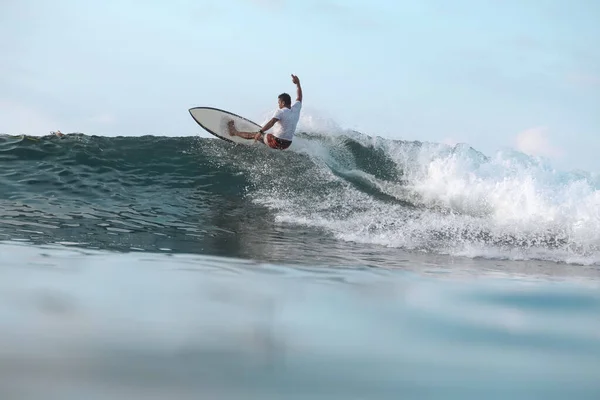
<point x="288" y="120"/>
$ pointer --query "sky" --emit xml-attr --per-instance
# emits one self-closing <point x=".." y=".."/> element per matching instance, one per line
<point x="495" y="74"/>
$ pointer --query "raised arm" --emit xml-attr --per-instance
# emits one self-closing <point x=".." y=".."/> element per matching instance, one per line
<point x="296" y="81"/>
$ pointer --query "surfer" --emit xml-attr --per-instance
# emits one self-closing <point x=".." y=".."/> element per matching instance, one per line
<point x="284" y="121"/>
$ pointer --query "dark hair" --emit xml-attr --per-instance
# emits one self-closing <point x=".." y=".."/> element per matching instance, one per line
<point x="287" y="100"/>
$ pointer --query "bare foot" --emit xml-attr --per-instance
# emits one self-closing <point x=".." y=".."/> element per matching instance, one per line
<point x="232" y="130"/>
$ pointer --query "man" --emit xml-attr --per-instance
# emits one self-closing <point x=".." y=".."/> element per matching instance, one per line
<point x="284" y="120"/>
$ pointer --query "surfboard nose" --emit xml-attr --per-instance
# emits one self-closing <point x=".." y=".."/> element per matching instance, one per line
<point x="214" y="121"/>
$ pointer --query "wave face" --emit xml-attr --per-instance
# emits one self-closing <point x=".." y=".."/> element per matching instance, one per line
<point x="328" y="193"/>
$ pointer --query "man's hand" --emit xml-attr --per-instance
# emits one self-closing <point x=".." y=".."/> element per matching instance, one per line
<point x="296" y="81"/>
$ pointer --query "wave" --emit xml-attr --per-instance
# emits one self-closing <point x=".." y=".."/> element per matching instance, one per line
<point x="357" y="188"/>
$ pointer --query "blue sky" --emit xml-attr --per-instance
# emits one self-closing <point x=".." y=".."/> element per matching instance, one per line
<point x="490" y="73"/>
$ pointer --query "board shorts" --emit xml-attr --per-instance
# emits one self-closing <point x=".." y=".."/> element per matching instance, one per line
<point x="275" y="143"/>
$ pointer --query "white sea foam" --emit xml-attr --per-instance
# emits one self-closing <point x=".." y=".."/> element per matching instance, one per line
<point x="508" y="205"/>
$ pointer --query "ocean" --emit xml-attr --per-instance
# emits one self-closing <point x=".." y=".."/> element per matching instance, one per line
<point x="347" y="267"/>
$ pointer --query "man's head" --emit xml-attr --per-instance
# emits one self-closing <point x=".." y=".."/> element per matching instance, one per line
<point x="284" y="100"/>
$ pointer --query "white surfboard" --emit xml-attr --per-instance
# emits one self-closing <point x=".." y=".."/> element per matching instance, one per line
<point x="215" y="121"/>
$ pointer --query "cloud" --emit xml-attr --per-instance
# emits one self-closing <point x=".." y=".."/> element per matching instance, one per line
<point x="584" y="79"/>
<point x="526" y="43"/>
<point x="450" y="141"/>
<point x="19" y="119"/>
<point x="346" y="16"/>
<point x="266" y="3"/>
<point x="103" y="119"/>
<point x="534" y="142"/>
<point x="271" y="5"/>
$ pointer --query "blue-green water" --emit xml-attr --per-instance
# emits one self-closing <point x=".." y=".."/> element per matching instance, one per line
<point x="348" y="267"/>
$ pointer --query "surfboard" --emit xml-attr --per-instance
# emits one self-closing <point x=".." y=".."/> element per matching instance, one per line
<point x="214" y="121"/>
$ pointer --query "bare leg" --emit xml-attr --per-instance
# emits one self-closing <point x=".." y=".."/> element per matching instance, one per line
<point x="246" y="135"/>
